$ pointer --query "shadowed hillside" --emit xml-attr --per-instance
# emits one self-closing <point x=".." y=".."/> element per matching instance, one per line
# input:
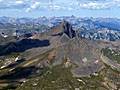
<point x="22" y="45"/>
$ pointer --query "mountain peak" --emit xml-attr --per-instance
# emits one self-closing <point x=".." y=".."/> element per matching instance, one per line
<point x="64" y="27"/>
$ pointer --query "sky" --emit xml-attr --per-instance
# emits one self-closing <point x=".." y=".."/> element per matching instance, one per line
<point x="49" y="8"/>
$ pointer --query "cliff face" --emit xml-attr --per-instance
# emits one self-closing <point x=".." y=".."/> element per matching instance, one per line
<point x="64" y="27"/>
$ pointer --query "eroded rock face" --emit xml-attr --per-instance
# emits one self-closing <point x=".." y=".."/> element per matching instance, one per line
<point x="64" y="27"/>
<point x="76" y="51"/>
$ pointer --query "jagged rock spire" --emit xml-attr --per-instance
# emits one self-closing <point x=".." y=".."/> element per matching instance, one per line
<point x="67" y="29"/>
<point x="64" y="28"/>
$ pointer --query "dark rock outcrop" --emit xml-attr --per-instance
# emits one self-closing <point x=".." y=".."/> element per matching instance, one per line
<point x="64" y="27"/>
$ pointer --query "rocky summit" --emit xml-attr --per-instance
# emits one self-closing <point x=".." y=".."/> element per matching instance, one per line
<point x="58" y="58"/>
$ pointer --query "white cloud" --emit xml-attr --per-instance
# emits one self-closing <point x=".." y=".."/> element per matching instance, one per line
<point x="30" y="5"/>
<point x="28" y="10"/>
<point x="19" y="2"/>
<point x="94" y="5"/>
<point x="33" y="6"/>
<point x="104" y="4"/>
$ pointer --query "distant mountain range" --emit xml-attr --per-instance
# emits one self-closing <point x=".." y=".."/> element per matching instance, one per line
<point x="92" y="28"/>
